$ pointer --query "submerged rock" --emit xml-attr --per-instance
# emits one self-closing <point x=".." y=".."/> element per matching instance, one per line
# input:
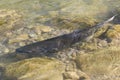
<point x="71" y="75"/>
<point x="8" y="18"/>
<point x="100" y="62"/>
<point x="115" y="32"/>
<point x="19" y="38"/>
<point x="42" y="28"/>
<point x="78" y="75"/>
<point x="36" y="69"/>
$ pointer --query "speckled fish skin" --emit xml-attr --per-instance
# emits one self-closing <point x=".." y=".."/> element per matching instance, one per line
<point x="61" y="42"/>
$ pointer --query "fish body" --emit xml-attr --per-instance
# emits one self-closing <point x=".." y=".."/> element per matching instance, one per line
<point x="61" y="42"/>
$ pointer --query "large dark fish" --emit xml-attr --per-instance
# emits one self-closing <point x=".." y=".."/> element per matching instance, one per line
<point x="61" y="42"/>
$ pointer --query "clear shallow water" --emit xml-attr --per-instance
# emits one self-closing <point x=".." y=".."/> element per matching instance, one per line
<point x="54" y="12"/>
<point x="48" y="9"/>
<point x="32" y="9"/>
<point x="59" y="13"/>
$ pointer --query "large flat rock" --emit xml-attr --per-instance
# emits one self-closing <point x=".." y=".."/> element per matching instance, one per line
<point x="35" y="69"/>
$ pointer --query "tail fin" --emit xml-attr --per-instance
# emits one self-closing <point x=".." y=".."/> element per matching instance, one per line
<point x="110" y="19"/>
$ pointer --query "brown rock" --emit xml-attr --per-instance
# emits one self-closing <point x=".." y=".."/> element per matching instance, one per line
<point x="82" y="75"/>
<point x="19" y="38"/>
<point x="6" y="50"/>
<point x="8" y="18"/>
<point x="42" y="28"/>
<point x="71" y="75"/>
<point x="102" y="43"/>
<point x="76" y="75"/>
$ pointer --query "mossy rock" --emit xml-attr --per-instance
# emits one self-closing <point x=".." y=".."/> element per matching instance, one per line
<point x="89" y="46"/>
<point x="115" y="32"/>
<point x="100" y="62"/>
<point x="2" y="21"/>
<point x="76" y="22"/>
<point x="35" y="69"/>
<point x="8" y="19"/>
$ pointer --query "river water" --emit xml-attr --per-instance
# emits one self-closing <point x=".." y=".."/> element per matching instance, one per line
<point x="35" y="9"/>
<point x="20" y="19"/>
